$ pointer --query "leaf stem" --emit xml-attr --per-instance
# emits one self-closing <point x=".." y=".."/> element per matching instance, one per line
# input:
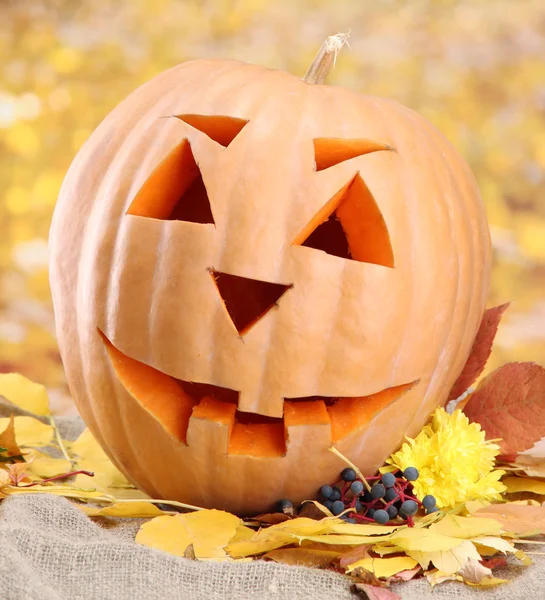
<point x="60" y="442"/>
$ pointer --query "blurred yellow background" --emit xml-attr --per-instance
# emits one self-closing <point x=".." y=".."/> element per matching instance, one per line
<point x="475" y="68"/>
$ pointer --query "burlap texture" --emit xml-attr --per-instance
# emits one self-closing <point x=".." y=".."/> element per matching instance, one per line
<point x="51" y="551"/>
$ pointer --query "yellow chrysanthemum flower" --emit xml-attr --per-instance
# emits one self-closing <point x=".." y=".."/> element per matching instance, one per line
<point x="454" y="461"/>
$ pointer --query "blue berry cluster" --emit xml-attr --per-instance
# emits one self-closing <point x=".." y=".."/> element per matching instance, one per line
<point x="380" y="499"/>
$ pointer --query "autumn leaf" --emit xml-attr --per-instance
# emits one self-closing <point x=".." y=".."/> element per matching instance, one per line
<point x="91" y="457"/>
<point x="29" y="431"/>
<point x="124" y="510"/>
<point x="518" y="519"/>
<point x="353" y="555"/>
<point x="44" y="466"/>
<point x="308" y="557"/>
<point x="372" y="592"/>
<point x="209" y="531"/>
<point x="474" y="572"/>
<point x="510" y="404"/>
<point x="384" y="567"/>
<point x="408" y="574"/>
<point x="17" y="472"/>
<point x="450" y="560"/>
<point x="480" y="351"/>
<point x="8" y="443"/>
<point x="24" y="393"/>
<point x="524" y="484"/>
<point x="493" y="563"/>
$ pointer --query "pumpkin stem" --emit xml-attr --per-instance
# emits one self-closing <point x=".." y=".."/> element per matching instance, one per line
<point x="326" y="58"/>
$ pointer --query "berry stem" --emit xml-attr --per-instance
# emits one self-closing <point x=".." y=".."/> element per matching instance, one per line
<point x="57" y="477"/>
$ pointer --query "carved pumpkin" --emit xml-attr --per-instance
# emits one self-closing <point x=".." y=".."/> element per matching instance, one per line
<point x="277" y="267"/>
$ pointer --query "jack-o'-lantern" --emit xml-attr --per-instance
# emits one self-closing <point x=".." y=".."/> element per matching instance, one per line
<point x="277" y="267"/>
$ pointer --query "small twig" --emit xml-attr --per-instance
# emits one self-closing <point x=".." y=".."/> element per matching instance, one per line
<point x="157" y="501"/>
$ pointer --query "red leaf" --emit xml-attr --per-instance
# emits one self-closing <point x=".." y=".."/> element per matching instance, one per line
<point x="480" y="351"/>
<point x="372" y="592"/>
<point x="510" y="404"/>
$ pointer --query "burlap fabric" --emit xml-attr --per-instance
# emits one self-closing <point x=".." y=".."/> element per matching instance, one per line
<point x="51" y="551"/>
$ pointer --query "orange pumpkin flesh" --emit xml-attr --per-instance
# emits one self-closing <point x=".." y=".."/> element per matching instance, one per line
<point x="282" y="267"/>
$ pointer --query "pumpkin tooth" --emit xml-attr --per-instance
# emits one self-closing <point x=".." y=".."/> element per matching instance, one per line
<point x="329" y="152"/>
<point x="221" y="129"/>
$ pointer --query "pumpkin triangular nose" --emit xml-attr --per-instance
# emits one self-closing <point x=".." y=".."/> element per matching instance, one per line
<point x="247" y="300"/>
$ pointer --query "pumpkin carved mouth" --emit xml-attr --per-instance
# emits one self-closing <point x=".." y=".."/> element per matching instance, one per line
<point x="177" y="404"/>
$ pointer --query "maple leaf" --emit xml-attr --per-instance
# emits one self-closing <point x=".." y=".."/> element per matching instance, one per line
<point x="518" y="519"/>
<point x="8" y="443"/>
<point x="373" y="592"/>
<point x="510" y="404"/>
<point x="480" y="351"/>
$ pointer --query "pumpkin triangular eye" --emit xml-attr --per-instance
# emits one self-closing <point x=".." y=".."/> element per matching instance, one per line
<point x="247" y="300"/>
<point x="331" y="151"/>
<point x="350" y="225"/>
<point x="175" y="190"/>
<point x="219" y="128"/>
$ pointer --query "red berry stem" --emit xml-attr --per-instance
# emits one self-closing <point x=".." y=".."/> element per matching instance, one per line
<point x="57" y="477"/>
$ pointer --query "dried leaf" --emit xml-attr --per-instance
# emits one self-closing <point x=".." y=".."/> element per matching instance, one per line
<point x="423" y="540"/>
<point x="517" y="519"/>
<point x="8" y="441"/>
<point x="510" y="404"/>
<point x="17" y="472"/>
<point x="124" y="510"/>
<point x="269" y="519"/>
<point x="24" y="393"/>
<point x="353" y="555"/>
<point x="372" y="592"/>
<point x="208" y="530"/>
<point x="189" y="552"/>
<point x="480" y="351"/>
<point x="524" y="484"/>
<point x="29" y="431"/>
<point x="90" y="457"/>
<point x="408" y="574"/>
<point x="307" y="557"/>
<point x="493" y="563"/>
<point x="466" y="527"/>
<point x="473" y="571"/>
<point x="448" y="561"/>
<point x="384" y="567"/>
<point x="436" y="576"/>
<point x="4" y="478"/>
<point x="488" y="545"/>
<point x="44" y="466"/>
<point x="314" y="510"/>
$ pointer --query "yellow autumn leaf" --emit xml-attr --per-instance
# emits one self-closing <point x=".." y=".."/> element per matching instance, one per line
<point x="24" y="393"/>
<point x="465" y="527"/>
<point x="5" y="479"/>
<point x="341" y="540"/>
<point x="424" y="540"/>
<point x="450" y="560"/>
<point x="488" y="545"/>
<point x="124" y="510"/>
<point x="243" y="533"/>
<point x="361" y="529"/>
<point x="86" y="446"/>
<point x="209" y="531"/>
<point x="91" y="457"/>
<point x="524" y="484"/>
<point x="44" y="466"/>
<point x="435" y="576"/>
<point x="29" y="431"/>
<point x="384" y="567"/>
